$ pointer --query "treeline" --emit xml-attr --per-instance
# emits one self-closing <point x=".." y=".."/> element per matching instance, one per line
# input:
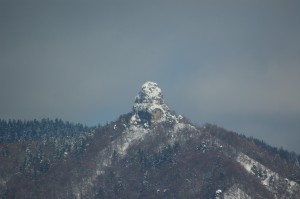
<point x="238" y="140"/>
<point x="18" y="130"/>
<point x="287" y="155"/>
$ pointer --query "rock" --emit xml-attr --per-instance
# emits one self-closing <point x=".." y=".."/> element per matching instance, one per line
<point x="149" y="107"/>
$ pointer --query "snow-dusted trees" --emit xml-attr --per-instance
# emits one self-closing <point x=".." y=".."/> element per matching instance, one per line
<point x="17" y="130"/>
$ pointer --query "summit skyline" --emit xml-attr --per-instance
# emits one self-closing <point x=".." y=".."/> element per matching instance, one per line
<point x="233" y="63"/>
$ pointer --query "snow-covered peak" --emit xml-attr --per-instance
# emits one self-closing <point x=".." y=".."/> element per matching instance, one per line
<point x="151" y="90"/>
<point x="149" y="107"/>
<point x="150" y="94"/>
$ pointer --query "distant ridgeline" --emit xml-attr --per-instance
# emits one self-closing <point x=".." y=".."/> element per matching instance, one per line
<point x="285" y="154"/>
<point x="18" y="130"/>
<point x="231" y="137"/>
<point x="33" y="147"/>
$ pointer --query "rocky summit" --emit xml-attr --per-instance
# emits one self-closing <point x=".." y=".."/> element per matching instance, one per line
<point x="149" y="107"/>
<point x="149" y="152"/>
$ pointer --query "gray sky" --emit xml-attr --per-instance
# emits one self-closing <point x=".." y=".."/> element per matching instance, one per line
<point x="234" y="63"/>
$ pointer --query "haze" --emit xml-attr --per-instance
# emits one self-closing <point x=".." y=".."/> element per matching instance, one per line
<point x="232" y="63"/>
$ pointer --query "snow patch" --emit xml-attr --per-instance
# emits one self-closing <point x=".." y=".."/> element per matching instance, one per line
<point x="263" y="173"/>
<point x="218" y="194"/>
<point x="2" y="182"/>
<point x="270" y="179"/>
<point x="180" y="117"/>
<point x="235" y="192"/>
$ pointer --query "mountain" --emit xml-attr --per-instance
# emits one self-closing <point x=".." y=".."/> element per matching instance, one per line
<point x="150" y="152"/>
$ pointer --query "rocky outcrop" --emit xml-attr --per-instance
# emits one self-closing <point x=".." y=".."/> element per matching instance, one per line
<point x="149" y="107"/>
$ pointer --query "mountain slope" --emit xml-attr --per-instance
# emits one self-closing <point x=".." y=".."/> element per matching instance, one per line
<point x="151" y="152"/>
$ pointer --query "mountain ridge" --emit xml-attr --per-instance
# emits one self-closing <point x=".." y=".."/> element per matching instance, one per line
<point x="150" y="152"/>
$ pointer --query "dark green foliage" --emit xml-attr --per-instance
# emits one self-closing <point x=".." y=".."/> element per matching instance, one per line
<point x="147" y="161"/>
<point x="287" y="155"/>
<point x="165" y="155"/>
<point x="258" y="172"/>
<point x="17" y="130"/>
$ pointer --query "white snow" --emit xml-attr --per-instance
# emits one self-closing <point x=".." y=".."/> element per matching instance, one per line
<point x="130" y="135"/>
<point x="270" y="178"/>
<point x="249" y="163"/>
<point x="150" y="98"/>
<point x="235" y="192"/>
<point x="120" y="146"/>
<point x="218" y="194"/>
<point x="2" y="182"/>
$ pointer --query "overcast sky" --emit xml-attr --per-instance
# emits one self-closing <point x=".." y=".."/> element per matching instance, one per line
<point x="234" y="63"/>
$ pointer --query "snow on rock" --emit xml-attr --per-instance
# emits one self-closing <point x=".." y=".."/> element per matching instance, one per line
<point x="180" y="117"/>
<point x="218" y="194"/>
<point x="149" y="97"/>
<point x="149" y="107"/>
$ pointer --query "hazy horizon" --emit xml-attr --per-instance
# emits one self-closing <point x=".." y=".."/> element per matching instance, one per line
<point x="232" y="63"/>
